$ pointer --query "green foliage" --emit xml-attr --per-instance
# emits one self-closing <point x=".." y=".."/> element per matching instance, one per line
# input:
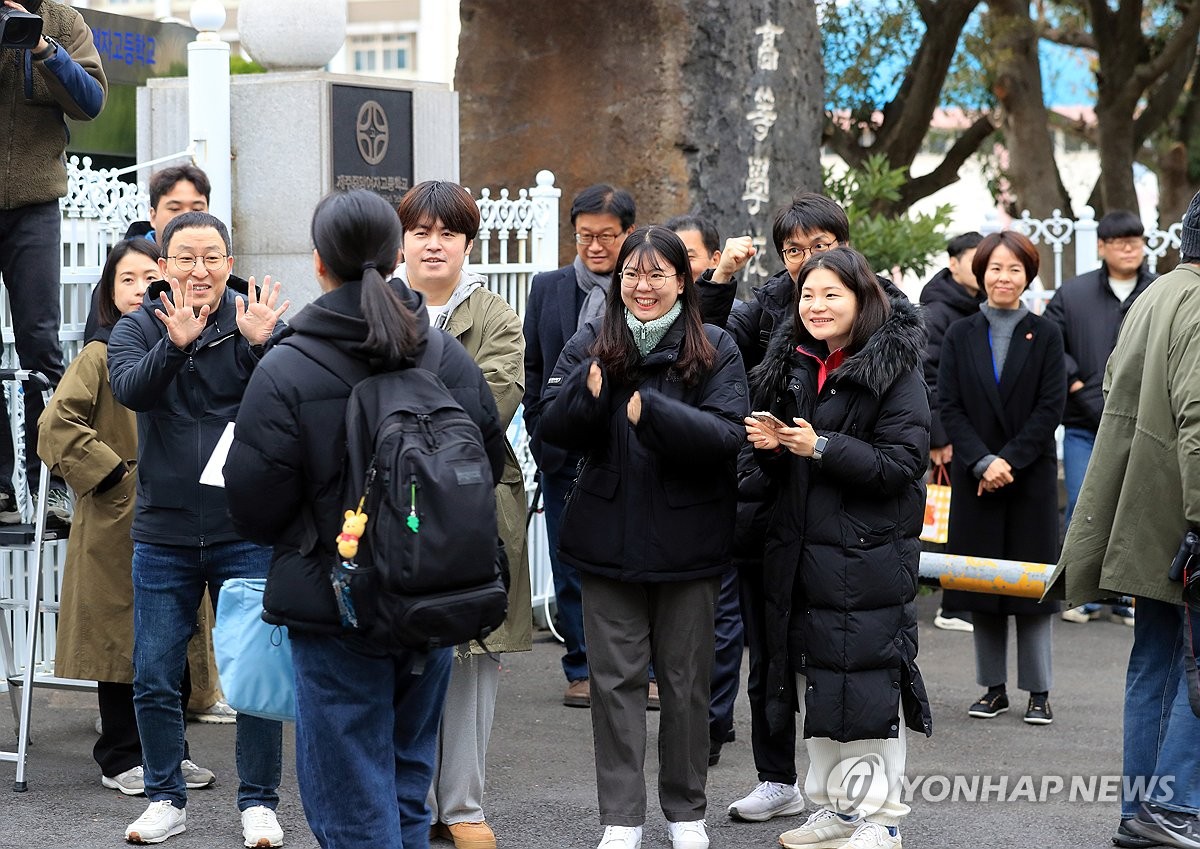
<point x="238" y="65"/>
<point x="905" y="241"/>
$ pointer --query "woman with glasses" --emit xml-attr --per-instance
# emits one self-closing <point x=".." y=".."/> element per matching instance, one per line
<point x="653" y="399"/>
<point x="844" y="436"/>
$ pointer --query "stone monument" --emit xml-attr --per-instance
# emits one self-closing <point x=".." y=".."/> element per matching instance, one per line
<point x="298" y="133"/>
<point x="692" y="105"/>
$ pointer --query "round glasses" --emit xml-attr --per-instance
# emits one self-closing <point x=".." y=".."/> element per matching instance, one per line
<point x="654" y="279"/>
<point x="186" y="263"/>
<point x="799" y="254"/>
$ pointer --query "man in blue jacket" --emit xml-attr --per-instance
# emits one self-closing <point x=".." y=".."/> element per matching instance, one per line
<point x="182" y="362"/>
<point x="560" y="302"/>
<point x="59" y="77"/>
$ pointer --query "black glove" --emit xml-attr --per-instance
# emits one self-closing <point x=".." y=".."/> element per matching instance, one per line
<point x="1188" y="556"/>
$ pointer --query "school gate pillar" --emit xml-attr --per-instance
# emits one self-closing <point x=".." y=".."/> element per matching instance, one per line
<point x="691" y="105"/>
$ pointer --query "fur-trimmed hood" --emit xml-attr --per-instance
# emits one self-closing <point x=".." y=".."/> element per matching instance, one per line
<point x="894" y="349"/>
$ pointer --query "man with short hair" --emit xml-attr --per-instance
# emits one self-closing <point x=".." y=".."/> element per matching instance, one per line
<point x="560" y="302"/>
<point x="1089" y="310"/>
<point x="60" y="77"/>
<point x="182" y="364"/>
<point x="1139" y="499"/>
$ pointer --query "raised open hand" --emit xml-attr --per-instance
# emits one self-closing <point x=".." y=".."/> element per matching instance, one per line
<point x="183" y="324"/>
<point x="256" y="317"/>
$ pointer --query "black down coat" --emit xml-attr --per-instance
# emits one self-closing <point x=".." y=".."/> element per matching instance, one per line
<point x="842" y="538"/>
<point x="289" y="447"/>
<point x="655" y="501"/>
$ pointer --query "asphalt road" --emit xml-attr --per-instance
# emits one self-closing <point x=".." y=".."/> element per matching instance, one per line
<point x="541" y="781"/>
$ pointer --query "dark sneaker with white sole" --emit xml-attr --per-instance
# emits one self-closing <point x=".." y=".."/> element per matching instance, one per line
<point x="1038" y="712"/>
<point x="1126" y="838"/>
<point x="9" y="513"/>
<point x="989" y="705"/>
<point x="1169" y="828"/>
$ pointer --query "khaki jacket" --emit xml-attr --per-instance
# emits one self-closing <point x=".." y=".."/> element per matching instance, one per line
<point x="1142" y="489"/>
<point x="491" y="332"/>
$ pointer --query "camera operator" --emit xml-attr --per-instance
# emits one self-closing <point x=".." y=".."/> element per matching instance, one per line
<point x="1140" y="498"/>
<point x="40" y="87"/>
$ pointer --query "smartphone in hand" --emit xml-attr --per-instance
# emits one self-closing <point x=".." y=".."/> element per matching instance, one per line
<point x="768" y="418"/>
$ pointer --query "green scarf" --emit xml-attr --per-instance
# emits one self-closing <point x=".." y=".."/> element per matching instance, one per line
<point x="648" y="334"/>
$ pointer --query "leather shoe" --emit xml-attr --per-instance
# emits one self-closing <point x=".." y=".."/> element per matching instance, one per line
<point x="579" y="694"/>
<point x="468" y="835"/>
<point x="652" y="701"/>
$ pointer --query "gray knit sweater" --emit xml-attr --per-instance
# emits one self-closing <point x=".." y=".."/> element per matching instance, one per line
<point x="1001" y="324"/>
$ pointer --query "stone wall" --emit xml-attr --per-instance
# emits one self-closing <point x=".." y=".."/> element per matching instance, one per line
<point x="691" y="105"/>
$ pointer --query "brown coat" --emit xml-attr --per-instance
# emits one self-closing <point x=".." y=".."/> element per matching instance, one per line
<point x="82" y="435"/>
<point x="491" y="332"/>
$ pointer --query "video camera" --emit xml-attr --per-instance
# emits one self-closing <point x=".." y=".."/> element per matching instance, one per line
<point x="1186" y="566"/>
<point x="19" y="29"/>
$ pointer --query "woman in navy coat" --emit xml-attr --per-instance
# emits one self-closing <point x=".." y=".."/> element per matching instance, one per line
<point x="1002" y="387"/>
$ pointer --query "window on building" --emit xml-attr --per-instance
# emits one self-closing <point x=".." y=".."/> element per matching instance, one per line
<point x="388" y="53"/>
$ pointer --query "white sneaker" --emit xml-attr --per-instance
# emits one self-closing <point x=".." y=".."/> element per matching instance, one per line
<point x="872" y="835"/>
<point x="260" y="828"/>
<point x="195" y="776"/>
<point x="951" y="623"/>
<point x="160" y="821"/>
<point x="823" y="830"/>
<point x="621" y="837"/>
<point x="131" y="782"/>
<point x="687" y="835"/>
<point x="1079" y="615"/>
<point x="769" y="799"/>
<point x="218" y="712"/>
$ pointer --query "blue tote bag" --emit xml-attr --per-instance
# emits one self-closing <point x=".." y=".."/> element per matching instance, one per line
<point x="254" y="658"/>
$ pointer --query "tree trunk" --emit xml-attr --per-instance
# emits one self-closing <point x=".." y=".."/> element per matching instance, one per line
<point x="1116" y="148"/>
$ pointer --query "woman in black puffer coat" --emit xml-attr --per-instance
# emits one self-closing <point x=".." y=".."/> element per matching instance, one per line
<point x="842" y="540"/>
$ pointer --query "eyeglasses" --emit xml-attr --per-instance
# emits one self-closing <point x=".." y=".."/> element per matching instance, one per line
<point x="797" y="254"/>
<point x="605" y="239"/>
<point x="186" y="263"/>
<point x="1130" y="243"/>
<point x="654" y="279"/>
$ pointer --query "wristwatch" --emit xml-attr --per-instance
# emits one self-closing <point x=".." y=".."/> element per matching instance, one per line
<point x="819" y="448"/>
<point x="51" y="49"/>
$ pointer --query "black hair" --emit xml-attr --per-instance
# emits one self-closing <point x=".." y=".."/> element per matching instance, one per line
<point x="1020" y="245"/>
<point x="195" y="221"/>
<point x="357" y="236"/>
<point x="438" y="200"/>
<point x="614" y="345"/>
<point x="809" y="212"/>
<point x="163" y="181"/>
<point x="107" y="313"/>
<point x="1119" y="224"/>
<point x="706" y="229"/>
<point x="959" y="245"/>
<point x="603" y="199"/>
<point x="852" y="268"/>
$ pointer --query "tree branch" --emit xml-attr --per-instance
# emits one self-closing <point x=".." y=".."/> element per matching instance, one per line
<point x="1162" y="99"/>
<point x="946" y="173"/>
<point x="1182" y="37"/>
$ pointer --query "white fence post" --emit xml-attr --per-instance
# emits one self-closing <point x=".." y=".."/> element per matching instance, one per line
<point x="545" y="197"/>
<point x="1087" y="255"/>
<point x="208" y="105"/>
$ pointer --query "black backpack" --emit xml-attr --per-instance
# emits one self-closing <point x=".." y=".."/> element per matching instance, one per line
<point x="430" y="571"/>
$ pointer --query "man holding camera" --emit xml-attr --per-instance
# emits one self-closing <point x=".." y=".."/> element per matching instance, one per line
<point x="43" y="80"/>
<point x="1140" y="498"/>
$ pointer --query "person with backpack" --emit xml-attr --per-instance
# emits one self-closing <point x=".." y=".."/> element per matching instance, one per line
<point x="439" y="219"/>
<point x="653" y="400"/>
<point x="368" y="700"/>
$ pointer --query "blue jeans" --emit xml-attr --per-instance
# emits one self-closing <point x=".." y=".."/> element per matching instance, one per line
<point x="366" y="738"/>
<point x="1077" y="451"/>
<point x="168" y="582"/>
<point x="568" y="597"/>
<point x="1162" y="735"/>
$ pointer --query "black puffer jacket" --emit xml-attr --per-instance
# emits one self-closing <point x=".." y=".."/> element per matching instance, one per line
<point x="655" y="501"/>
<point x="842" y="541"/>
<point x="184" y="400"/>
<point x="943" y="302"/>
<point x="284" y="468"/>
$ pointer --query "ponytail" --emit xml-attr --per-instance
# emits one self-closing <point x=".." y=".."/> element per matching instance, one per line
<point x="392" y="334"/>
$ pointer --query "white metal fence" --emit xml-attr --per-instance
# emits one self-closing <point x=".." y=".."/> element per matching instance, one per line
<point x="518" y="238"/>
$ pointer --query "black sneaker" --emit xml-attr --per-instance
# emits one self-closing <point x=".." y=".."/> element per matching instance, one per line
<point x="989" y="705"/>
<point x="1126" y="838"/>
<point x="9" y="514"/>
<point x="1170" y="828"/>
<point x="1038" y="712"/>
<point x="714" y="751"/>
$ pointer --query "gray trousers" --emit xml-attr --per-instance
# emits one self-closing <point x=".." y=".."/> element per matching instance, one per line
<point x="626" y="626"/>
<point x="456" y="794"/>
<point x="1034" y="645"/>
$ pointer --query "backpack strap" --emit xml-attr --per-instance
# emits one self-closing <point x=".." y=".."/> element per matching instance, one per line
<point x="435" y="344"/>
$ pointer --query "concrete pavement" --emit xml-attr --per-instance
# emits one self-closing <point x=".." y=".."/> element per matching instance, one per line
<point x="541" y="780"/>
